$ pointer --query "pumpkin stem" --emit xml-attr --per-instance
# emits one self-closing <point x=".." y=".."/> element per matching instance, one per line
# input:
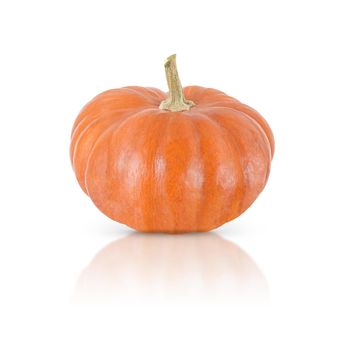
<point x="176" y="101"/>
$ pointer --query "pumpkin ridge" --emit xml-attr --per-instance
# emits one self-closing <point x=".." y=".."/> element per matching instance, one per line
<point x="209" y="91"/>
<point x="106" y="148"/>
<point x="76" y="138"/>
<point x="264" y="125"/>
<point x="76" y="141"/>
<point x="109" y="96"/>
<point x="100" y="99"/>
<point x="236" y="145"/>
<point x="94" y="129"/>
<point x="213" y="96"/>
<point x="160" y="147"/>
<point x="126" y="118"/>
<point x="91" y="149"/>
<point x="233" y="148"/>
<point x="252" y="121"/>
<point x="157" y="93"/>
<point x="170" y="173"/>
<point x="220" y="103"/>
<point x="95" y="116"/>
<point x="145" y="93"/>
<point x="265" y="128"/>
<point x="197" y="94"/>
<point x="187" y="174"/>
<point x="199" y="153"/>
<point x="132" y="140"/>
<point x="264" y="152"/>
<point x="264" y="134"/>
<point x="148" y="188"/>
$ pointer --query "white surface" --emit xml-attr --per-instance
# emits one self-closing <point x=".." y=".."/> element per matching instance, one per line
<point x="286" y="59"/>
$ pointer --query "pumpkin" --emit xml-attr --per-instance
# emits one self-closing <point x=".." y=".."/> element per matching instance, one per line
<point x="155" y="266"/>
<point x="187" y="161"/>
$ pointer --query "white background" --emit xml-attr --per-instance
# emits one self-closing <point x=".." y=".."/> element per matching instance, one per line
<point x="288" y="60"/>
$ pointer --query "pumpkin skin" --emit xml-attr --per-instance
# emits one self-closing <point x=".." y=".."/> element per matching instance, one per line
<point x="161" y="171"/>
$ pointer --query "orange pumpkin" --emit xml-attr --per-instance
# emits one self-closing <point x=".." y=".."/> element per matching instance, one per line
<point x="185" y="161"/>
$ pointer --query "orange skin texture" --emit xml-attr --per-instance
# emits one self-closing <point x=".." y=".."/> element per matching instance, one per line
<point x="161" y="171"/>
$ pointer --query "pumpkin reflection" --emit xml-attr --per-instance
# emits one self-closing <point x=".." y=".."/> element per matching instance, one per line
<point x="193" y="266"/>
